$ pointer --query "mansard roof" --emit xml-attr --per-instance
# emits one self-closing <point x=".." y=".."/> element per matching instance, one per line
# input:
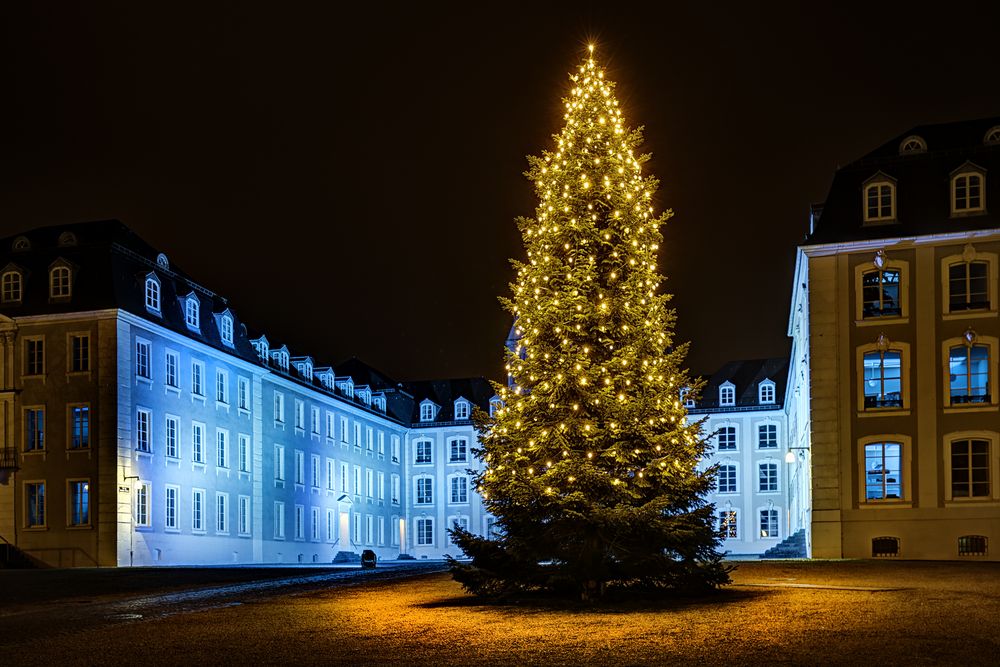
<point x="922" y="179"/>
<point x="444" y="393"/>
<point x="746" y="376"/>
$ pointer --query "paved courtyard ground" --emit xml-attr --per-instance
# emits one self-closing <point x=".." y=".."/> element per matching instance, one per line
<point x="845" y="613"/>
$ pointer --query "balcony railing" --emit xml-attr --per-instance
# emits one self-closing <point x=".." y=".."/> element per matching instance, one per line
<point x="8" y="459"/>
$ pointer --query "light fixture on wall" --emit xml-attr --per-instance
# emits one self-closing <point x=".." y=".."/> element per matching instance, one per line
<point x="790" y="455"/>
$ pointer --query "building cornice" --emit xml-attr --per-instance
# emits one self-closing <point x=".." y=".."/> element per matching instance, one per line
<point x="826" y="249"/>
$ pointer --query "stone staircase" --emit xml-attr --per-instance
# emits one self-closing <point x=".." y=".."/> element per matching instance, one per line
<point x="793" y="546"/>
<point x="12" y="558"/>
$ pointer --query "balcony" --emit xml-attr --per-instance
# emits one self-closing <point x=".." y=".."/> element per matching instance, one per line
<point x="8" y="463"/>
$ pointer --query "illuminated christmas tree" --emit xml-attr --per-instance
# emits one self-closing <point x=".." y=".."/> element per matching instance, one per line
<point x="590" y="466"/>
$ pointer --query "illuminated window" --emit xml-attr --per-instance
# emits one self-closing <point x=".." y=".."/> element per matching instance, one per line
<point x="152" y="294"/>
<point x="728" y="525"/>
<point x="192" y="312"/>
<point x="59" y="283"/>
<point x="425" y="490"/>
<point x="880" y="293"/>
<point x="883" y="378"/>
<point x="727" y="395"/>
<point x="142" y="419"/>
<point x="34" y="429"/>
<point x="11" y="287"/>
<point x="425" y="532"/>
<point x="970" y="468"/>
<point x="423" y="452"/>
<point x="767" y="436"/>
<point x="969" y="374"/>
<point x="968" y="286"/>
<point x="79" y="427"/>
<point x="726" y="439"/>
<point x="769" y="523"/>
<point x="967" y="191"/>
<point x="766" y="393"/>
<point x="79" y="502"/>
<point x="767" y="477"/>
<point x="880" y="201"/>
<point x="883" y="471"/>
<point x="726" y="478"/>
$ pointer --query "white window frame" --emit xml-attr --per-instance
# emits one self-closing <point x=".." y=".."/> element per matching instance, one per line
<point x="198" y="497"/>
<point x="418" y="446"/>
<point x="226" y="330"/>
<point x="143" y="359"/>
<point x="244" y="516"/>
<point x="727" y="395"/>
<point x="773" y="465"/>
<point x="726" y="463"/>
<point x="221" y="513"/>
<point x="198" y="442"/>
<point x="171" y="508"/>
<point x="766" y="393"/>
<point x="906" y="483"/>
<point x="172" y="437"/>
<point x="143" y="504"/>
<point x="423" y="483"/>
<point x="152" y="294"/>
<point x="192" y="313"/>
<point x="279" y="520"/>
<point x="172" y="370"/>
<point x="198" y="378"/>
<point x="464" y="487"/>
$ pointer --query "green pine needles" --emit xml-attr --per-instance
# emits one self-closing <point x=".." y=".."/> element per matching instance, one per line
<point x="590" y="468"/>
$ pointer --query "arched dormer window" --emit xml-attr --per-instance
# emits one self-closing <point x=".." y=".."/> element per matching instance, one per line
<point x="262" y="347"/>
<point x="346" y="386"/>
<point x="60" y="283"/>
<point x="427" y="411"/>
<point x="21" y="244"/>
<point x="495" y="405"/>
<point x="226" y="328"/>
<point x="765" y="392"/>
<point x="192" y="312"/>
<point x="152" y="294"/>
<point x="912" y="144"/>
<point x="365" y="394"/>
<point x="163" y="262"/>
<point x="378" y="400"/>
<point x="11" y="286"/>
<point x="462" y="409"/>
<point x="686" y="398"/>
<point x="992" y="136"/>
<point x="727" y="395"/>
<point x="67" y="240"/>
<point x="968" y="191"/>
<point x="879" y="201"/>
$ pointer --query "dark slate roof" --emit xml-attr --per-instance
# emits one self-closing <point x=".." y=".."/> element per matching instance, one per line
<point x="444" y="393"/>
<point x="923" y="198"/>
<point x="746" y="376"/>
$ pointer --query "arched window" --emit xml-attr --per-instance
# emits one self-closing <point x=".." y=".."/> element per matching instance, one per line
<point x="968" y="286"/>
<point x="883" y="379"/>
<point x="912" y="144"/>
<point x="153" y="294"/>
<point x="880" y="293"/>
<point x="727" y="395"/>
<point x="461" y="409"/>
<point x="67" y="239"/>
<point x="725" y="479"/>
<point x="192" y="312"/>
<point x="11" y="287"/>
<point x="967" y="192"/>
<point x="59" y="282"/>
<point x="426" y="411"/>
<point x="992" y="136"/>
<point x="226" y="329"/>
<point x="969" y="373"/>
<point x="880" y="200"/>
<point x="765" y="392"/>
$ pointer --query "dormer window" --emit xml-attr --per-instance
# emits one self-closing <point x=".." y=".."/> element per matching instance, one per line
<point x="11" y="286"/>
<point x="992" y="136"/>
<point x="495" y="405"/>
<point x="379" y="402"/>
<point x="686" y="398"/>
<point x="967" y="190"/>
<point x="727" y="395"/>
<point x="67" y="240"/>
<point x="880" y="199"/>
<point x="226" y="329"/>
<point x="21" y="244"/>
<point x="365" y="395"/>
<point x="325" y="376"/>
<point x="765" y="393"/>
<point x="59" y="282"/>
<point x="152" y="291"/>
<point x="163" y="262"/>
<point x="280" y="358"/>
<point x="461" y="409"/>
<point x="192" y="312"/>
<point x="346" y="387"/>
<point x="426" y="411"/>
<point x="912" y="144"/>
<point x="261" y="345"/>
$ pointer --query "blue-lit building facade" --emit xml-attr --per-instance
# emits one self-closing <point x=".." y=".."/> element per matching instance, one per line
<point x="143" y="424"/>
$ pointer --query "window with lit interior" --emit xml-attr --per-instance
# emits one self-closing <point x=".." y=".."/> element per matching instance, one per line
<point x="883" y="379"/>
<point x="728" y="525"/>
<point x="880" y="293"/>
<point x="969" y="374"/>
<point x="883" y="471"/>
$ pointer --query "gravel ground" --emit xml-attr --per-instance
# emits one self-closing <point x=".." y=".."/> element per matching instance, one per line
<point x="809" y="613"/>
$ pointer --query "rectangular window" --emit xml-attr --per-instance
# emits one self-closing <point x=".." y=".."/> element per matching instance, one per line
<point x="767" y="436"/>
<point x="357" y="528"/>
<point x="357" y="480"/>
<point x="969" y="374"/>
<point x="244" y="515"/>
<point x="728" y="526"/>
<point x="381" y="531"/>
<point x="970" y="469"/>
<point x="34" y="429"/>
<point x="279" y="462"/>
<point x="300" y="414"/>
<point x="171" y="428"/>
<point x="369" y="439"/>
<point x="314" y="524"/>
<point x="142" y="354"/>
<point x="170" y="497"/>
<point x="458" y="523"/>
<point x="171" y="370"/>
<point x="142" y="419"/>
<point x="381" y="444"/>
<point x="221" y="386"/>
<point x="369" y="533"/>
<point x="344" y="434"/>
<point x="279" y="407"/>
<point x="767" y="477"/>
<point x="329" y="426"/>
<point x="197" y="378"/>
<point x="244" y="393"/>
<point x="331" y="523"/>
<point x="79" y="361"/>
<point x="883" y="379"/>
<point x="726" y="439"/>
<point x="197" y="442"/>
<point x="968" y="192"/>
<point x="369" y="483"/>
<point x="143" y="492"/>
<point x="300" y="467"/>
<point x="79" y="426"/>
<point x="769" y="523"/>
<point x="34" y="497"/>
<point x="79" y="502"/>
<point x="726" y="479"/>
<point x="381" y="485"/>
<point x="314" y="470"/>
<point x="883" y="471"/>
<point x="425" y="491"/>
<point x="968" y="286"/>
<point x="423" y="452"/>
<point x="357" y="434"/>
<point x="222" y="513"/>
<point x="395" y="489"/>
<point x="459" y="489"/>
<point x="35" y="356"/>
<point x="315" y="421"/>
<point x="425" y="532"/>
<point x="244" y="452"/>
<point x="331" y="475"/>
<point x="222" y="448"/>
<point x="880" y="293"/>
<point x="300" y="522"/>
<point x="459" y="450"/>
<point x="395" y="449"/>
<point x="279" y="520"/>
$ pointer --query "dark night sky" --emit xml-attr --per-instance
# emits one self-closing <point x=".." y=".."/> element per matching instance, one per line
<point x="349" y="177"/>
